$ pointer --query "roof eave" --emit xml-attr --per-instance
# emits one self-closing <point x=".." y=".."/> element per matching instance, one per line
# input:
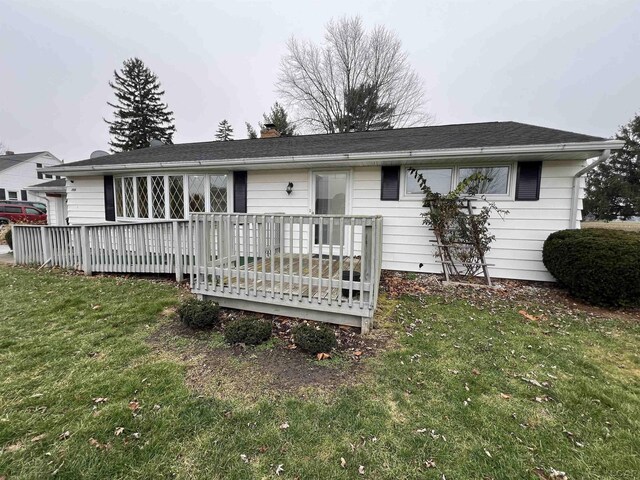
<point x="346" y="159"/>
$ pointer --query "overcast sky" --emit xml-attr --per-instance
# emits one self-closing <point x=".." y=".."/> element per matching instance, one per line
<point x="571" y="65"/>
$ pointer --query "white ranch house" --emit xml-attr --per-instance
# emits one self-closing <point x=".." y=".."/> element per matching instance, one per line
<point x="294" y="202"/>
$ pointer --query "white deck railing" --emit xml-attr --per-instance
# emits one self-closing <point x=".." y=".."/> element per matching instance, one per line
<point x="309" y="262"/>
<point x="152" y="247"/>
<point x="320" y="267"/>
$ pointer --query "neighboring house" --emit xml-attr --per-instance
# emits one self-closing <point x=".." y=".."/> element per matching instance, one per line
<point x="536" y="175"/>
<point x="55" y="194"/>
<point x="18" y="171"/>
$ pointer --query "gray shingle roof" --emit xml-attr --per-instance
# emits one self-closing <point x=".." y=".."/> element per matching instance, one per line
<point x="8" y="161"/>
<point x="489" y="134"/>
<point x="58" y="182"/>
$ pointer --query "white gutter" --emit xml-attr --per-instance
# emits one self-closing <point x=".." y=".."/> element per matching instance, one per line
<point x="345" y="159"/>
<point x="575" y="191"/>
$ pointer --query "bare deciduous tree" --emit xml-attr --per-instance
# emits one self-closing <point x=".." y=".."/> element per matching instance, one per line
<point x="319" y="81"/>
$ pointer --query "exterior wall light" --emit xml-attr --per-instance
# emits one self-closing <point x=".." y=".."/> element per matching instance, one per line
<point x="289" y="188"/>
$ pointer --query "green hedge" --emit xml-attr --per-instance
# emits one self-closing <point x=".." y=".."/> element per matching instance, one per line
<point x="596" y="265"/>
<point x="314" y="340"/>
<point x="199" y="313"/>
<point x="250" y="331"/>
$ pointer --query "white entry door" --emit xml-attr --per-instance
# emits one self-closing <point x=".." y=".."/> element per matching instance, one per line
<point x="330" y="194"/>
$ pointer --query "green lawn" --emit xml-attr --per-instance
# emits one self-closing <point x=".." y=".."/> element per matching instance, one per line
<point x="450" y="399"/>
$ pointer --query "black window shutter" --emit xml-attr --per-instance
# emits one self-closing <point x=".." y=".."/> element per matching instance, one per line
<point x="3" y="194"/>
<point x="109" y="200"/>
<point x="240" y="192"/>
<point x="390" y="185"/>
<point x="528" y="182"/>
<point x="23" y="195"/>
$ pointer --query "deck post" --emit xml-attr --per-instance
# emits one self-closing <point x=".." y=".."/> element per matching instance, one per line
<point x="367" y="255"/>
<point x="177" y="252"/>
<point x="85" y="252"/>
<point x="46" y="254"/>
<point x="365" y="326"/>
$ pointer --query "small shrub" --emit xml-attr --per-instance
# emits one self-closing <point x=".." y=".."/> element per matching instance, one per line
<point x="250" y="331"/>
<point x="314" y="340"/>
<point x="8" y="237"/>
<point x="199" y="313"/>
<point x="599" y="266"/>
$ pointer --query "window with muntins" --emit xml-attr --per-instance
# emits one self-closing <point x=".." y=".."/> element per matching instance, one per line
<point x="169" y="196"/>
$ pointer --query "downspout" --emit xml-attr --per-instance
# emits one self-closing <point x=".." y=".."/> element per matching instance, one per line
<point x="575" y="192"/>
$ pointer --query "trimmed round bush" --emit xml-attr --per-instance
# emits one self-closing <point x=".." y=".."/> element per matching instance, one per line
<point x="196" y="313"/>
<point x="314" y="340"/>
<point x="599" y="266"/>
<point x="8" y="237"/>
<point x="250" y="331"/>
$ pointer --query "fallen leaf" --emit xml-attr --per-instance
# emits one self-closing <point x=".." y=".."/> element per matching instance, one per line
<point x="64" y="435"/>
<point x="487" y="452"/>
<point x="263" y="449"/>
<point x="505" y="396"/>
<point x="279" y="469"/>
<point x="96" y="307"/>
<point x="244" y="458"/>
<point x="284" y="426"/>
<point x="100" y="399"/>
<point x="357" y="353"/>
<point x="361" y="469"/>
<point x="99" y="446"/>
<point x="421" y="430"/>
<point x="343" y="462"/>
<point x="134" y="405"/>
<point x="528" y="316"/>
<point x="39" y="437"/>
<point x="475" y="371"/>
<point x="323" y="356"/>
<point x="135" y="435"/>
<point x="533" y="381"/>
<point x="430" y="464"/>
<point x="118" y="431"/>
<point x="14" y="448"/>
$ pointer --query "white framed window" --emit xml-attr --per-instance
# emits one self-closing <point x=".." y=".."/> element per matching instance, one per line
<point x="438" y="179"/>
<point x="496" y="182"/>
<point x="444" y="179"/>
<point x="171" y="196"/>
<point x="12" y="195"/>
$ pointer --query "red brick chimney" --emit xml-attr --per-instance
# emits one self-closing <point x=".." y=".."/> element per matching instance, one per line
<point x="269" y="131"/>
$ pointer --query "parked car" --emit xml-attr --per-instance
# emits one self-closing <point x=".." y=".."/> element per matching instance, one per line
<point x="38" y="205"/>
<point x="12" y="213"/>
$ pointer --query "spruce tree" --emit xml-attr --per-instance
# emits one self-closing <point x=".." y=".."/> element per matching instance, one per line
<point x="224" y="132"/>
<point x="278" y="116"/>
<point x="140" y="115"/>
<point x="613" y="188"/>
<point x="251" y="132"/>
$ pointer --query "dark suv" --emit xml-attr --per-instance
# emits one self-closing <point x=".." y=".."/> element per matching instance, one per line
<point x="12" y="213"/>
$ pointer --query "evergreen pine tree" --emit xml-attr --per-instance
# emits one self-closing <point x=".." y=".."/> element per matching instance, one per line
<point x="224" y="132"/>
<point x="613" y="188"/>
<point x="140" y="115"/>
<point x="251" y="132"/>
<point x="278" y="116"/>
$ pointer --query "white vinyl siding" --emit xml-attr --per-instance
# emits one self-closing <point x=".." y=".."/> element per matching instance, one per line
<point x="85" y="200"/>
<point x="21" y="176"/>
<point x="517" y="250"/>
